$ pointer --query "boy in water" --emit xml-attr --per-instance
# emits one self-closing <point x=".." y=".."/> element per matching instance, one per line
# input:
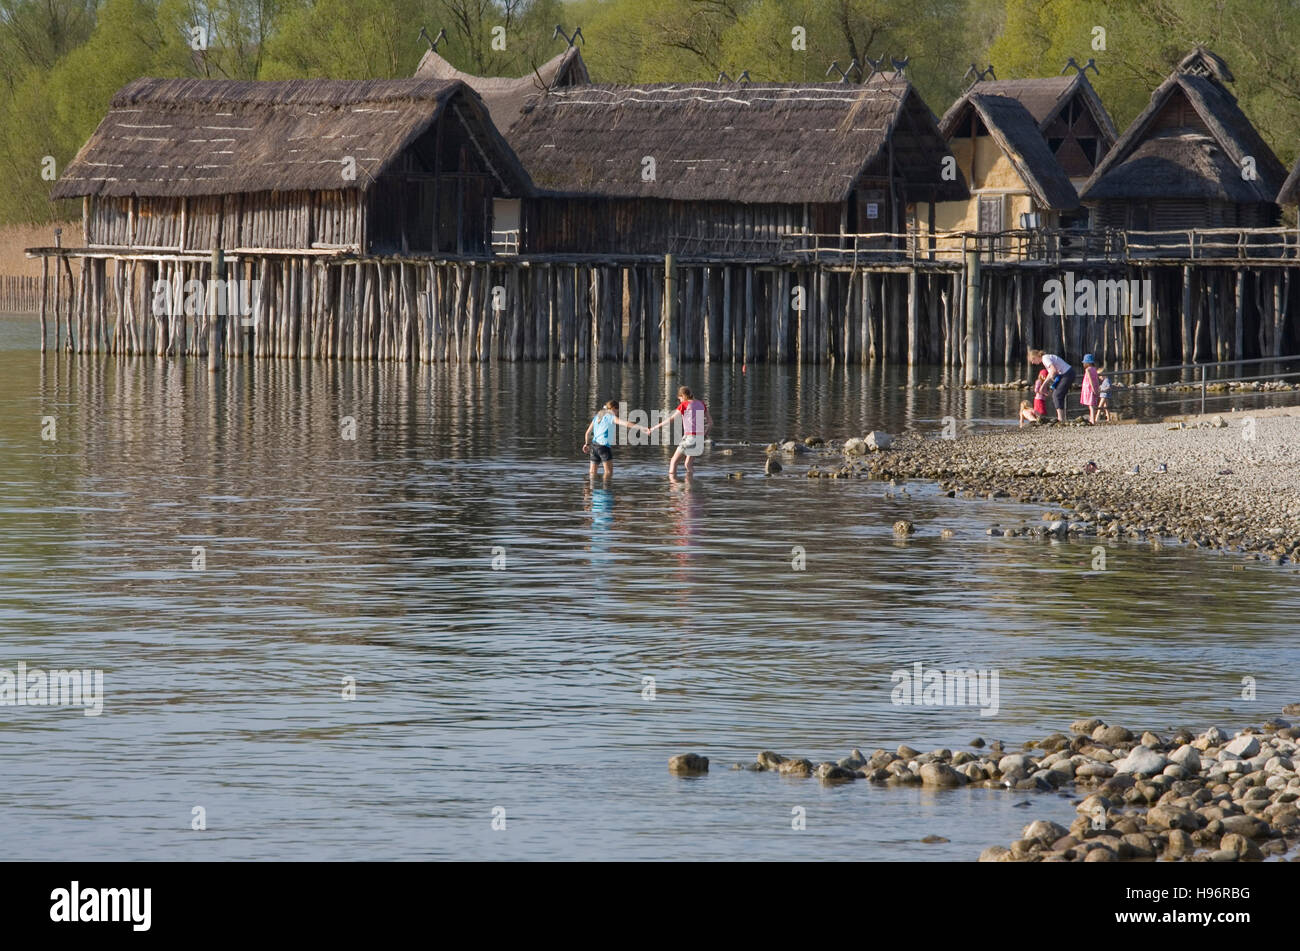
<point x="696" y="424"/>
<point x="598" y="440"/>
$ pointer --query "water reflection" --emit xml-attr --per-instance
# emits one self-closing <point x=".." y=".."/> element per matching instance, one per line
<point x="498" y="613"/>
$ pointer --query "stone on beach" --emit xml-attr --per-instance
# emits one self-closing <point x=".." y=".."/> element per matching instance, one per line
<point x="1110" y="735"/>
<point x="795" y="767"/>
<point x="1186" y="757"/>
<point x="1042" y="829"/>
<point x="941" y="774"/>
<point x="1243" y="746"/>
<point x="688" y="763"/>
<point x="877" y="441"/>
<point x="1141" y="761"/>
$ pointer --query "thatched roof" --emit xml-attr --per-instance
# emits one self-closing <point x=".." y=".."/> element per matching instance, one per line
<point x="505" y="98"/>
<point x="1290" y="193"/>
<point x="1045" y="98"/>
<point x="785" y="143"/>
<point x="1203" y="62"/>
<point x="173" y="137"/>
<point x="1014" y="130"/>
<point x="1203" y="160"/>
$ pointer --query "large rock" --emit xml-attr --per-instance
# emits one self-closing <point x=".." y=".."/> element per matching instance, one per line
<point x="1211" y="737"/>
<point x="769" y="760"/>
<point x="1248" y="826"/>
<point x="1086" y="727"/>
<point x="1135" y="845"/>
<point x="1101" y="854"/>
<point x="878" y="440"/>
<point x="1142" y="761"/>
<point x="1244" y="746"/>
<point x="881" y="758"/>
<point x="1096" y="803"/>
<point x="1110" y="735"/>
<point x="857" y="446"/>
<point x="994" y="853"/>
<point x="1245" y="849"/>
<point x="1042" y="829"/>
<point x="831" y="772"/>
<point x="1094" y="770"/>
<point x="940" y="774"/>
<point x="1187" y="757"/>
<point x="1169" y="816"/>
<point x="1180" y="844"/>
<point x="796" y="767"/>
<point x="688" y="763"/>
<point x="772" y="467"/>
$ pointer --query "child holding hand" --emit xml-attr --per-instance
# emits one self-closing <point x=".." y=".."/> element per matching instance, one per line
<point x="598" y="440"/>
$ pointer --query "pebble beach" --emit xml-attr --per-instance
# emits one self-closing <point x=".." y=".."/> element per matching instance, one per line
<point x="1228" y="482"/>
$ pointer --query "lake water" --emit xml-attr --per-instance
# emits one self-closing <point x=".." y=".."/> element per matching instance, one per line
<point x="498" y="617"/>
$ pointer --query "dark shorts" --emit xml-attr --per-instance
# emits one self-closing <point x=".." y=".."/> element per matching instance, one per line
<point x="1063" y="384"/>
<point x="601" y="453"/>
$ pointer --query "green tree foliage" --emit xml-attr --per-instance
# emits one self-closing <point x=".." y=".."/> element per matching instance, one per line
<point x="62" y="60"/>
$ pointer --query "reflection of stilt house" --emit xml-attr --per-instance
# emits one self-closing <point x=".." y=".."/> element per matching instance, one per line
<point x="726" y="169"/>
<point x="1191" y="160"/>
<point x="378" y="166"/>
<point x="1024" y="146"/>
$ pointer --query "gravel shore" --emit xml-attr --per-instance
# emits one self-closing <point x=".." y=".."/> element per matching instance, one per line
<point x="1229" y="482"/>
<point x="1209" y="797"/>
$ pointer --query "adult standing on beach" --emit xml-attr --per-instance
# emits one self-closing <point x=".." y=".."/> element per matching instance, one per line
<point x="1060" y="377"/>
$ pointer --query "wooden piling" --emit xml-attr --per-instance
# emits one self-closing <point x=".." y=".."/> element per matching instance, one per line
<point x="973" y="328"/>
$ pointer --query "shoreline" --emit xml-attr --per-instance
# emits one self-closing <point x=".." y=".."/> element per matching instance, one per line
<point x="1142" y="796"/>
<point x="1230" y="482"/>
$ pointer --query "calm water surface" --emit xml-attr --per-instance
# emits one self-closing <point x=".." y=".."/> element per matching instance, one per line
<point x="521" y="687"/>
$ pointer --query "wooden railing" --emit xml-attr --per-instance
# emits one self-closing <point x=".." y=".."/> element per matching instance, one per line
<point x="1048" y="247"/>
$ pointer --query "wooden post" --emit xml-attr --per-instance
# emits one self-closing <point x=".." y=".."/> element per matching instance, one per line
<point x="972" y="314"/>
<point x="216" y="308"/>
<point x="45" y="273"/>
<point x="1187" y="348"/>
<point x="668" y="348"/>
<point x="913" y="317"/>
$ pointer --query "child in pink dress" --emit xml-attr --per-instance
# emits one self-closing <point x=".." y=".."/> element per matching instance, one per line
<point x="1088" y="394"/>
<point x="1040" y="394"/>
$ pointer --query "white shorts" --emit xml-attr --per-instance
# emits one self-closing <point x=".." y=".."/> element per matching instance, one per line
<point x="692" y="444"/>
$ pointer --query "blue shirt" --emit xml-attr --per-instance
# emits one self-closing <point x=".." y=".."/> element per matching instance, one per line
<point x="602" y="428"/>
